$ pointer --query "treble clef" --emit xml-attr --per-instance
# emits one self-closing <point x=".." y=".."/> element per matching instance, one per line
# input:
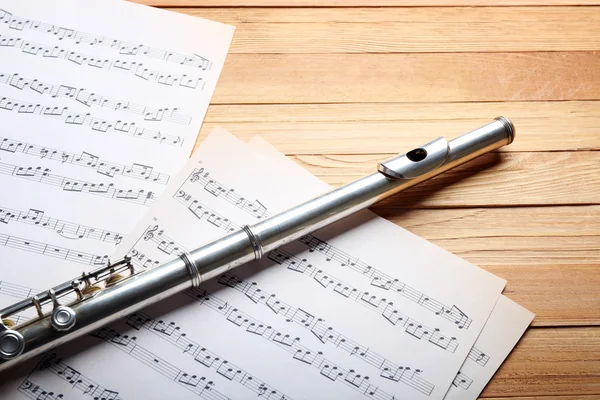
<point x="47" y="361"/>
<point x="196" y="175"/>
<point x="150" y="233"/>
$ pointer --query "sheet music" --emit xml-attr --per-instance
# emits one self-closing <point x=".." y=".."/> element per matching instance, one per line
<point x="101" y="102"/>
<point x="500" y="334"/>
<point x="298" y="325"/>
<point x="502" y="331"/>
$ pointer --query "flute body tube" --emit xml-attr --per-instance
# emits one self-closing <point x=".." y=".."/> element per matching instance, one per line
<point x="94" y="309"/>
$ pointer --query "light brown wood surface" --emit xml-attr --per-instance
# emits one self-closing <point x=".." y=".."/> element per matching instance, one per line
<point x="340" y="84"/>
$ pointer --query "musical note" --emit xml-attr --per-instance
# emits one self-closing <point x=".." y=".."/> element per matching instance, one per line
<point x="66" y="229"/>
<point x="294" y="347"/>
<point x="240" y="319"/>
<point x="54" y="364"/>
<point x="129" y="346"/>
<point x="35" y="392"/>
<point x="385" y="282"/>
<point x="43" y="175"/>
<point x="130" y="67"/>
<point x="96" y="124"/>
<point x="378" y="278"/>
<point x="201" y="211"/>
<point x="462" y="381"/>
<point x="478" y="356"/>
<point x="123" y="47"/>
<point x="380" y="305"/>
<point x="217" y="189"/>
<point x="91" y="99"/>
<point x="317" y="326"/>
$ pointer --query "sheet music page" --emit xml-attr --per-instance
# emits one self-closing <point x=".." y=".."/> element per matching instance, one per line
<point x="332" y="316"/>
<point x="501" y="332"/>
<point x="100" y="105"/>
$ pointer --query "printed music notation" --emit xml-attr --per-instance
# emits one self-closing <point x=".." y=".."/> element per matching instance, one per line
<point x="327" y="281"/>
<point x="379" y="305"/>
<point x="54" y="364"/>
<point x="43" y="175"/>
<point x="163" y="242"/>
<point x="254" y="208"/>
<point x="302" y="354"/>
<point x="171" y="333"/>
<point x="129" y="67"/>
<point x="86" y="160"/>
<point x="90" y="99"/>
<point x="96" y="124"/>
<point x="316" y="325"/>
<point x="378" y="278"/>
<point x="68" y="230"/>
<point x="124" y="48"/>
<point x="198" y="385"/>
<point x="462" y="381"/>
<point x="201" y="211"/>
<point x="49" y="250"/>
<point x="35" y="392"/>
<point x="141" y="260"/>
<point x="479" y="357"/>
<point x="383" y="281"/>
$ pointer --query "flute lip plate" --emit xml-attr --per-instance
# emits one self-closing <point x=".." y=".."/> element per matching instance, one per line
<point x="509" y="126"/>
<point x="404" y="166"/>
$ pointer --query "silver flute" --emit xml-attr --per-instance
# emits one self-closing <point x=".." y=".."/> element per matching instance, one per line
<point x="97" y="298"/>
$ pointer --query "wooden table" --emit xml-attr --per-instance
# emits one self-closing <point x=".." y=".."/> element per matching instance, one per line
<point x="340" y="86"/>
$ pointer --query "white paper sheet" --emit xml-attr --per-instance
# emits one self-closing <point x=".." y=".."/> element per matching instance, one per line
<point x="100" y="105"/>
<point x="502" y="331"/>
<point x="101" y="102"/>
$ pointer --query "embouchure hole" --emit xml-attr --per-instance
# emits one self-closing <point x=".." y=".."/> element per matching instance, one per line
<point x="417" y="155"/>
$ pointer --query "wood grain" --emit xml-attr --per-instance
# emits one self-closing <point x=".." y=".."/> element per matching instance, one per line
<point x="377" y="128"/>
<point x="564" y="361"/>
<point x="402" y="30"/>
<point x="357" y="3"/>
<point x="384" y="78"/>
<point x="508" y="179"/>
<point x="340" y="84"/>
<point x="551" y="268"/>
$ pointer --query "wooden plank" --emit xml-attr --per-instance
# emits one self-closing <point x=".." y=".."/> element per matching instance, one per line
<point x="358" y="3"/>
<point x="575" y="397"/>
<point x="378" y="128"/>
<point x="360" y="15"/>
<point x="384" y="78"/>
<point x="400" y="30"/>
<point x="548" y="255"/>
<point x="462" y="224"/>
<point x="551" y="362"/>
<point x="508" y="179"/>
